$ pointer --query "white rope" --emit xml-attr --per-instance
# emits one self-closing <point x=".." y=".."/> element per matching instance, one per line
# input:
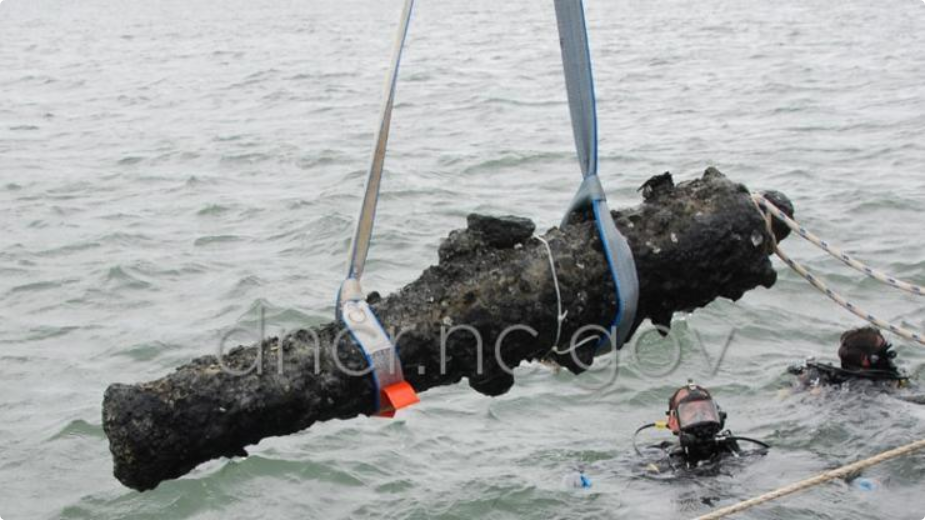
<point x="849" y="260"/>
<point x="847" y="305"/>
<point x="841" y="472"/>
<point x="560" y="316"/>
<point x="770" y="211"/>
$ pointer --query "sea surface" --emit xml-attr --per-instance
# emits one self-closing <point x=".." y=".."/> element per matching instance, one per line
<point x="170" y="170"/>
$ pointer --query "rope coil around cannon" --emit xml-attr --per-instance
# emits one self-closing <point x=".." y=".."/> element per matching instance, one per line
<point x="769" y="211"/>
<point x="836" y="252"/>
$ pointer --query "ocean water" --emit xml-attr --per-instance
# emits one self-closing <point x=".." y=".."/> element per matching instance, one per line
<point x="169" y="170"/>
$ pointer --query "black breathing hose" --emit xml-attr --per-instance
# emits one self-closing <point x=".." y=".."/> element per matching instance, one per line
<point x="753" y="441"/>
<point x="640" y="429"/>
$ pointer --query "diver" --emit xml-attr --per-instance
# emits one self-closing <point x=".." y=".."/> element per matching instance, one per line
<point x="700" y="427"/>
<point x="864" y="355"/>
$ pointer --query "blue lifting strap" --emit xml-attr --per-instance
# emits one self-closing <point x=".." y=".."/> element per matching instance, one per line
<point x="392" y="391"/>
<point x="579" y="83"/>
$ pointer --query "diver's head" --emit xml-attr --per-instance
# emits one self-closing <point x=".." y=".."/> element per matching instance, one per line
<point x="697" y="421"/>
<point x="693" y="415"/>
<point x="866" y="349"/>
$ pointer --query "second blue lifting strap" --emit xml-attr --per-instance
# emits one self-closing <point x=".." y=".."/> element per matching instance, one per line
<point x="579" y="83"/>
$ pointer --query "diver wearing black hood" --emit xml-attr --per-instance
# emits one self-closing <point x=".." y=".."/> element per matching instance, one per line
<point x="865" y="355"/>
<point x="699" y="425"/>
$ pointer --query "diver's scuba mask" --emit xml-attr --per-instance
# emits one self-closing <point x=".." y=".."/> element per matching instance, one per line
<point x="695" y="418"/>
<point x="883" y="359"/>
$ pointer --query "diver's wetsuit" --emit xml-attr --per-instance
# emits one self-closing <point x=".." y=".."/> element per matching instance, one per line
<point x="812" y="374"/>
<point x="698" y="459"/>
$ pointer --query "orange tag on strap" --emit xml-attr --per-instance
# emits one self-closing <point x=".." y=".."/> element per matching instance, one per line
<point x="395" y="397"/>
